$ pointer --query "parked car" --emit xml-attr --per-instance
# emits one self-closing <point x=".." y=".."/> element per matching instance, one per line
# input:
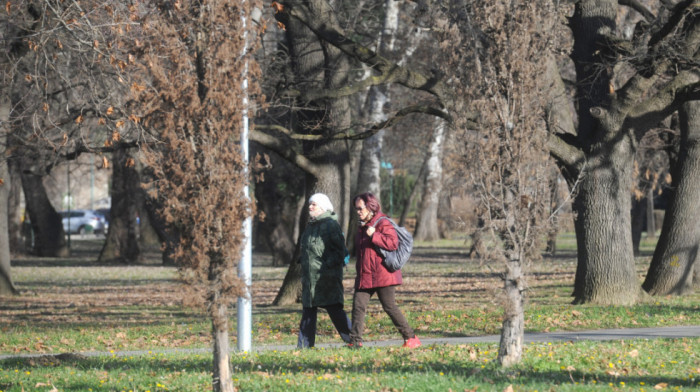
<point x="83" y="221"/>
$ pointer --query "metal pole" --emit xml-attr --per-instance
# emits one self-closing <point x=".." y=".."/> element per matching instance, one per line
<point x="92" y="182"/>
<point x="245" y="309"/>
<point x="68" y="199"/>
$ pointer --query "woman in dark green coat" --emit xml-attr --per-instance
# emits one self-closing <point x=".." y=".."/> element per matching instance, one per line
<point x="322" y="260"/>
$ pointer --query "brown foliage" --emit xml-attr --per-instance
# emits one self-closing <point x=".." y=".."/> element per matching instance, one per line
<point x="192" y="58"/>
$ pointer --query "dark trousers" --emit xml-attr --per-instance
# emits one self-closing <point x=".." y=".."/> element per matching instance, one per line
<point x="307" y="326"/>
<point x="387" y="297"/>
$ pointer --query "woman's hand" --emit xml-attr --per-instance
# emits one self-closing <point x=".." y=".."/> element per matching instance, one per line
<point x="370" y="231"/>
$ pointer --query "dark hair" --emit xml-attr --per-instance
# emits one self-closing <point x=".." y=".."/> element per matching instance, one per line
<point x="371" y="202"/>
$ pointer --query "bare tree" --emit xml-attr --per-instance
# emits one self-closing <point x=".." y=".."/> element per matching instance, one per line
<point x="65" y="93"/>
<point x="6" y="284"/>
<point x="496" y="47"/>
<point x="190" y="62"/>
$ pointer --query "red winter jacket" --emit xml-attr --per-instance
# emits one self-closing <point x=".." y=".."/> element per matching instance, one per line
<point x="371" y="273"/>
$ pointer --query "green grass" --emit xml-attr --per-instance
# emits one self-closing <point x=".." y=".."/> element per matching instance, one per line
<point x="74" y="305"/>
<point x="626" y="365"/>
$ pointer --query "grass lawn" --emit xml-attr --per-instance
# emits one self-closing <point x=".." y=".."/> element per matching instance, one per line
<point x="73" y="305"/>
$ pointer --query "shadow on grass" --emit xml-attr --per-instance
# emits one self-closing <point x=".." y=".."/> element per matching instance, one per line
<point x="402" y="364"/>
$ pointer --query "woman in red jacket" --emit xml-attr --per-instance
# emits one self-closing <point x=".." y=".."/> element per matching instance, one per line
<point x="372" y="275"/>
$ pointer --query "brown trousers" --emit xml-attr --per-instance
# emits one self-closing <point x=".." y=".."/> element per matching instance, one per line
<point x="387" y="297"/>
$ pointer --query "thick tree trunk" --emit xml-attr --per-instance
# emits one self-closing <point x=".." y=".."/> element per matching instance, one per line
<point x="605" y="273"/>
<point x="320" y="64"/>
<point x="427" y="223"/>
<point x="7" y="287"/>
<point x="510" y="349"/>
<point x="675" y="263"/>
<point x="121" y="244"/>
<point x="49" y="237"/>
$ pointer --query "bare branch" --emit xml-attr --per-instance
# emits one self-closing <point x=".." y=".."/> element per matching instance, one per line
<point x="678" y="12"/>
<point x="391" y="72"/>
<point x="683" y="88"/>
<point x="284" y="150"/>
<point x="565" y="153"/>
<point x="639" y="7"/>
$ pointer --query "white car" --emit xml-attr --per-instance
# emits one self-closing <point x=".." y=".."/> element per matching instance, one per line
<point x="83" y="221"/>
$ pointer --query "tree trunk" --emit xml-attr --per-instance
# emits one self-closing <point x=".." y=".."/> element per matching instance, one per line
<point x="223" y="381"/>
<point x="7" y="287"/>
<point x="651" y="219"/>
<point x="320" y="64"/>
<point x="556" y="203"/>
<point x="147" y="235"/>
<point x="49" y="237"/>
<point x="638" y="213"/>
<point x="121" y="244"/>
<point x="416" y="186"/>
<point x="510" y="348"/>
<point x="370" y="162"/>
<point x="427" y="223"/>
<point x="605" y="272"/>
<point x="674" y="264"/>
<point x="15" y="213"/>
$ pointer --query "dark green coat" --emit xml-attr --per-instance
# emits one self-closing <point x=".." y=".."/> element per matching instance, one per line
<point x="322" y="260"/>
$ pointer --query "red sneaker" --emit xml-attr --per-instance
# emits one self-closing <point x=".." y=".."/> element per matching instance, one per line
<point x="412" y="342"/>
<point x="354" y="345"/>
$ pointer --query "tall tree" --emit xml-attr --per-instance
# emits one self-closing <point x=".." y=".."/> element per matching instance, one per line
<point x="674" y="266"/>
<point x="6" y="284"/>
<point x="377" y="97"/>
<point x="492" y="50"/>
<point x="191" y="91"/>
<point x="427" y="222"/>
<point x="65" y="92"/>
<point x="121" y="244"/>
<point x="613" y="115"/>
<point x="316" y="65"/>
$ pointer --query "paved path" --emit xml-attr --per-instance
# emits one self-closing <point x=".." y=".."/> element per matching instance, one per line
<point x="599" y="335"/>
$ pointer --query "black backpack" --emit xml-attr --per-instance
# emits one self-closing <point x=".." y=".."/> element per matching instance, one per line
<point x="395" y="259"/>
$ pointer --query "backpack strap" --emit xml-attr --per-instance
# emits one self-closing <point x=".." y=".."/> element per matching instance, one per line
<point x="378" y="219"/>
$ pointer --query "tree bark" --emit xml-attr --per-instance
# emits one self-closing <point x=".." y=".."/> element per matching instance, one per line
<point x="674" y="264"/>
<point x="651" y="219"/>
<point x="318" y="63"/>
<point x="49" y="237"/>
<point x="121" y="244"/>
<point x="605" y="272"/>
<point x="427" y="223"/>
<point x="15" y="213"/>
<point x="416" y="186"/>
<point x="638" y="212"/>
<point x="377" y="97"/>
<point x="510" y="349"/>
<point x="223" y="381"/>
<point x="147" y="235"/>
<point x="7" y="287"/>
